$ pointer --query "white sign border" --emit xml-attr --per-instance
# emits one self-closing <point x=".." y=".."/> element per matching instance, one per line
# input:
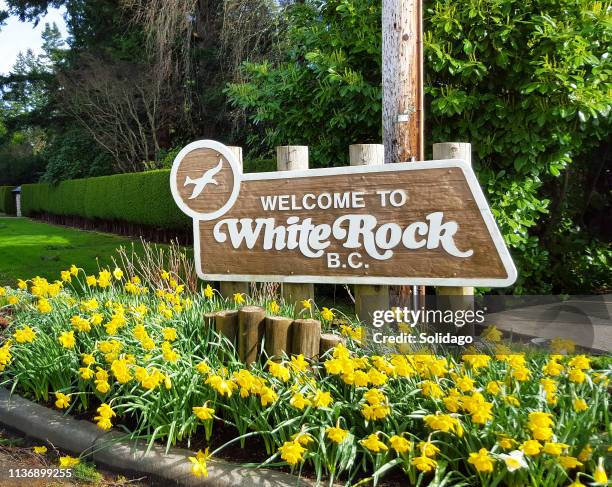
<point x="234" y="166"/>
<point x="477" y="193"/>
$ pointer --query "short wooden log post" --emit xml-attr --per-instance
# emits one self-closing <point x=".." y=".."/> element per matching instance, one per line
<point x="458" y="297"/>
<point x="306" y="338"/>
<point x="329" y="341"/>
<point x="293" y="158"/>
<point x="229" y="288"/>
<point x="209" y="319"/>
<point x="250" y="332"/>
<point x="369" y="298"/>
<point x="278" y="336"/>
<point x="226" y="324"/>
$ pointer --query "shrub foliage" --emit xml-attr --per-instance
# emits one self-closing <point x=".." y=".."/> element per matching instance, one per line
<point x="527" y="83"/>
<point x="141" y="198"/>
<point x="7" y="200"/>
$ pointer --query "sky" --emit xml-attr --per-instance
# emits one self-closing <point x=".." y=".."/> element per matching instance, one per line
<point x="16" y="36"/>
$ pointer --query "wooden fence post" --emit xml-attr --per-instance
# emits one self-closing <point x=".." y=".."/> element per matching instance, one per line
<point x="458" y="297"/>
<point x="369" y="298"/>
<point x="229" y="288"/>
<point x="292" y="158"/>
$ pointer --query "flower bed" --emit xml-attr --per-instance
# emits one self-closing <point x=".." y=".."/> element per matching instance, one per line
<point x="139" y="356"/>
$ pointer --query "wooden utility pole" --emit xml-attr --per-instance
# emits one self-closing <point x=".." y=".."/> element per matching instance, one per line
<point x="402" y="80"/>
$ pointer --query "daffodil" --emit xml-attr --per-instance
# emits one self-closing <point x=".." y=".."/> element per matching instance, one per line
<point x="514" y="460"/>
<point x="222" y="386"/>
<point x="424" y="464"/>
<point x="580" y="405"/>
<point x="44" y="306"/>
<point x="40" y="450"/>
<point x="292" y="452"/>
<point x="198" y="467"/>
<point x="569" y="462"/>
<point x="585" y="453"/>
<point x="577" y="376"/>
<point x="554" y="449"/>
<point x="445" y="423"/>
<point x="599" y="475"/>
<point x="428" y="449"/>
<point x="299" y="401"/>
<point x="279" y="371"/>
<point x="374" y="444"/>
<point x="274" y="308"/>
<point x="68" y="462"/>
<point x="336" y="434"/>
<point x="506" y="442"/>
<point x="298" y="363"/>
<point x="482" y="461"/>
<point x="203" y="412"/>
<point x="24" y="335"/>
<point x="327" y="314"/>
<point x="208" y="291"/>
<point x="321" y="399"/>
<point x="492" y="334"/>
<point x="62" y="400"/>
<point x="400" y="444"/>
<point x="202" y="368"/>
<point x="531" y="448"/>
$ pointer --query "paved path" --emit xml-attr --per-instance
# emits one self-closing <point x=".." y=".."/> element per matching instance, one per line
<point x="584" y="319"/>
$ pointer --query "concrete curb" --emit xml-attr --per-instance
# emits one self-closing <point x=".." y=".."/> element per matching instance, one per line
<point x="112" y="450"/>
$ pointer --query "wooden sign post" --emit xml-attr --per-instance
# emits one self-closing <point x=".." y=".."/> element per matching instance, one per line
<point x="368" y="298"/>
<point x="292" y="158"/>
<point x="391" y="224"/>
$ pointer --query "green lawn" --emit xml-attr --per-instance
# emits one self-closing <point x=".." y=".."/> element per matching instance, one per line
<point x="29" y="248"/>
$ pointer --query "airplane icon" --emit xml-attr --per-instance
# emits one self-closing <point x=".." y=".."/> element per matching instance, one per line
<point x="200" y="183"/>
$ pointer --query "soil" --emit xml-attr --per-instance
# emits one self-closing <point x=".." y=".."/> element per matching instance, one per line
<point x="16" y="453"/>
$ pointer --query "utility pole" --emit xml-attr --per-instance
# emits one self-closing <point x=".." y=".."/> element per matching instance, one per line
<point x="403" y="108"/>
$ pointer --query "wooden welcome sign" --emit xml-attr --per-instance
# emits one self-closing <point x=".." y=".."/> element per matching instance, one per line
<point x="424" y="223"/>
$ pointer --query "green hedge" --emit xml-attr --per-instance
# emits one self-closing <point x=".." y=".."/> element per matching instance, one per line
<point x="141" y="198"/>
<point x="7" y="200"/>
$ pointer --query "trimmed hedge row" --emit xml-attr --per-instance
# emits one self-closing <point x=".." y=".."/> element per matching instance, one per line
<point x="140" y="198"/>
<point x="7" y="200"/>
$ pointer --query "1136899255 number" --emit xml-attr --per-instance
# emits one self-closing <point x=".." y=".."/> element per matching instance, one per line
<point x="40" y="473"/>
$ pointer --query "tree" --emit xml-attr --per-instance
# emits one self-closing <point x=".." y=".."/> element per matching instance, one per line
<point x="528" y="83"/>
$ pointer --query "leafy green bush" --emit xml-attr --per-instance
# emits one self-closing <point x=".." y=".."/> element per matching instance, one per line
<point x="260" y="165"/>
<point x="7" y="200"/>
<point x="140" y="198"/>
<point x="74" y="154"/>
<point x="527" y="83"/>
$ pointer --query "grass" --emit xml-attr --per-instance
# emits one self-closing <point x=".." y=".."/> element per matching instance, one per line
<point x="29" y="248"/>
